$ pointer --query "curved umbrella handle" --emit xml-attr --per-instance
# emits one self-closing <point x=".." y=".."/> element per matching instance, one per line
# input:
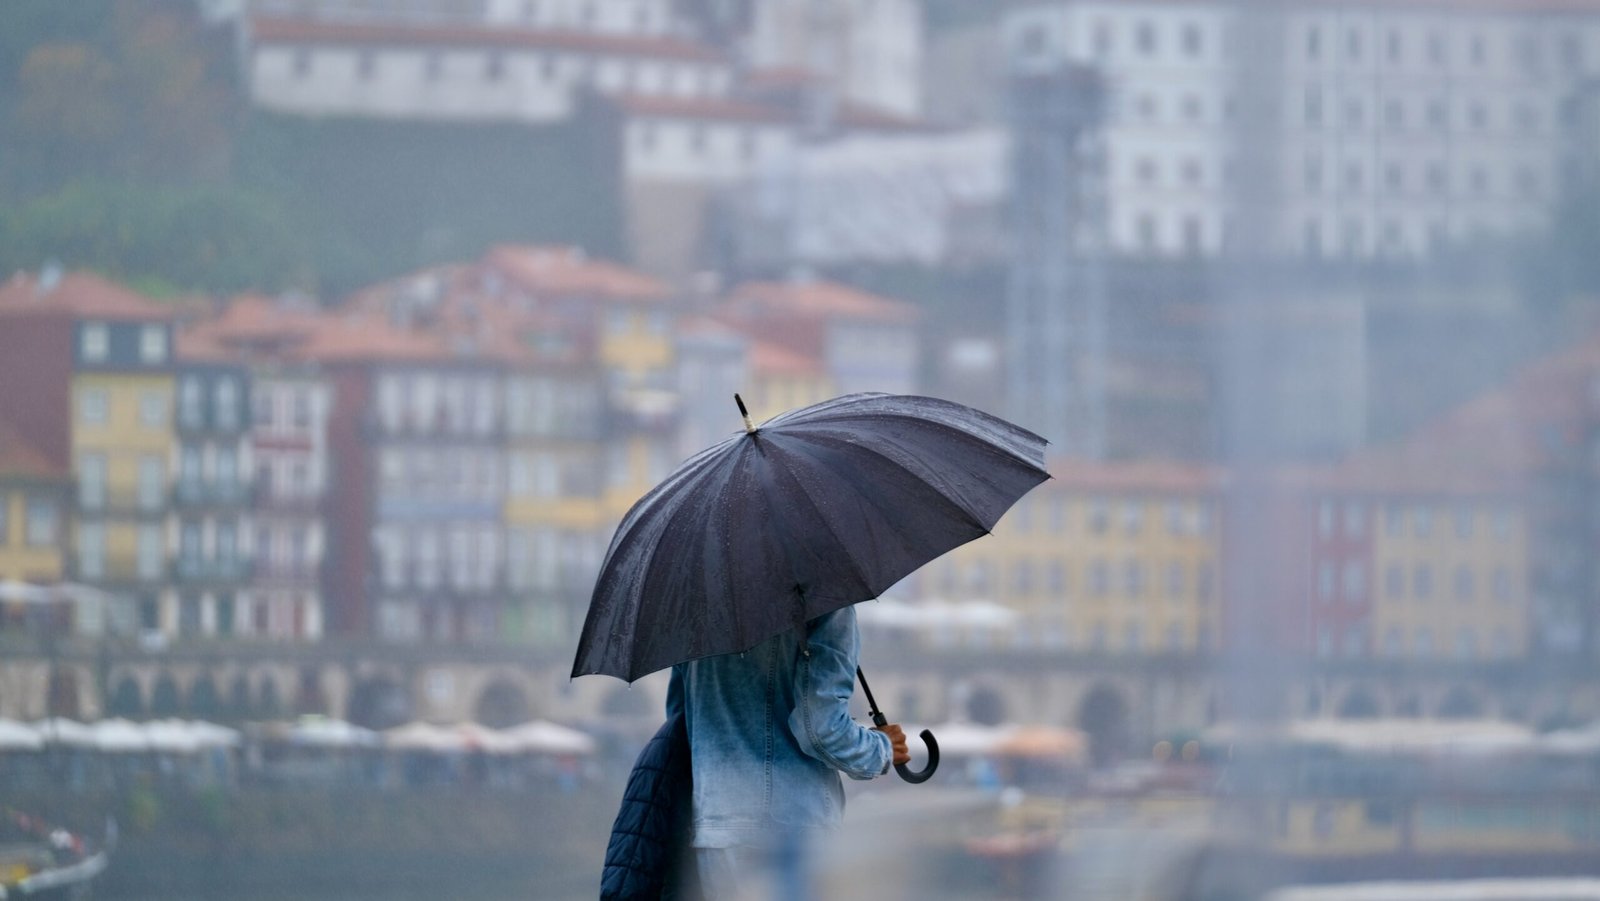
<point x="916" y="777"/>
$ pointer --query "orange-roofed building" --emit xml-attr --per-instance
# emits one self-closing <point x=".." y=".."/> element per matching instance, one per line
<point x="782" y="379"/>
<point x="865" y="342"/>
<point x="88" y="370"/>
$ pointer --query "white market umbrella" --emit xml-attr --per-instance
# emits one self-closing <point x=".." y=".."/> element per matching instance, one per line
<point x="212" y="735"/>
<point x="23" y="592"/>
<point x="61" y="731"/>
<point x="545" y="737"/>
<point x="490" y="741"/>
<point x="421" y="736"/>
<point x="120" y="736"/>
<point x="323" y="732"/>
<point x="971" y="739"/>
<point x="171" y="737"/>
<point x="17" y="736"/>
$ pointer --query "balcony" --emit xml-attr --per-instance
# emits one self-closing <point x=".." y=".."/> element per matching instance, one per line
<point x="193" y="571"/>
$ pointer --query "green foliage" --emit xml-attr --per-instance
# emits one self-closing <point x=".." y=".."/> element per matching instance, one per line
<point x="387" y="197"/>
<point x="172" y="239"/>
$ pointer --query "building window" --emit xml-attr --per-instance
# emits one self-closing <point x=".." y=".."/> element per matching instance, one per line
<point x="1355" y="580"/>
<point x="5" y="521"/>
<point x="152" y="409"/>
<point x="91" y="550"/>
<point x="1465" y="584"/>
<point x="1313" y="106"/>
<point x="433" y="66"/>
<point x="150" y="482"/>
<point x="1022" y="578"/>
<point x="494" y="68"/>
<point x="1422" y="522"/>
<point x="1394" y="115"/>
<point x="1148" y="239"/>
<point x="92" y="481"/>
<point x="1174" y="637"/>
<point x="1175" y="580"/>
<point x="1132" y="517"/>
<point x="1424" y="642"/>
<point x="1466" y="643"/>
<point x="1325" y="581"/>
<point x="1422" y="581"/>
<point x="1133" y="579"/>
<point x="153" y="344"/>
<point x="1394" y="47"/>
<point x="302" y="62"/>
<point x="149" y="551"/>
<point x="44" y="522"/>
<point x="1313" y="43"/>
<point x="93" y="406"/>
<point x="1099" y="577"/>
<point x="1501" y="525"/>
<point x="227" y="399"/>
<point x="1192" y="43"/>
<point x="1145" y="170"/>
<point x="1325" y="519"/>
<point x="1394" y="177"/>
<point x="1145" y="38"/>
<point x="1436" y="50"/>
<point x="1056" y="578"/>
<point x="1132" y="638"/>
<point x="366" y="63"/>
<point x="94" y="342"/>
<point x="1394" y="581"/>
<point x="1355" y="113"/>
<point x="1102" y="40"/>
<point x="1099" y="516"/>
<point x="1353" y="45"/>
<point x="1354" y="177"/>
<point x="1438" y="114"/>
<point x="1355" y="519"/>
<point x="697" y="138"/>
<point x="189" y="414"/>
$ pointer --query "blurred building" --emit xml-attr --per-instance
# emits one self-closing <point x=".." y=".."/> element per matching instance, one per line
<point x="35" y="496"/>
<point x="1406" y="128"/>
<point x="1106" y="558"/>
<point x="214" y="496"/>
<point x="386" y="62"/>
<point x="865" y="53"/>
<point x="88" y="368"/>
<point x="288" y="447"/>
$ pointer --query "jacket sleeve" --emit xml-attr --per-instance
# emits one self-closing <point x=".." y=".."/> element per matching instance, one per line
<point x="824" y="681"/>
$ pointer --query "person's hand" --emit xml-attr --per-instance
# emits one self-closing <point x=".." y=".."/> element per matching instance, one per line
<point x="897" y="741"/>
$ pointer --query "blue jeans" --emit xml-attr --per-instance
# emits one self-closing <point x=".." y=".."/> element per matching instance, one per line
<point x="735" y="874"/>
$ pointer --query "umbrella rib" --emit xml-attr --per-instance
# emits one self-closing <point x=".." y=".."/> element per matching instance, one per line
<point x="971" y="518"/>
<point x="1002" y="447"/>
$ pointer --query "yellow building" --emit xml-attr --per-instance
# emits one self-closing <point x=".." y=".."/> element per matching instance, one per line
<point x="97" y="362"/>
<point x="33" y="495"/>
<point x="1450" y="573"/>
<point x="1105" y="557"/>
<point x="782" y="379"/>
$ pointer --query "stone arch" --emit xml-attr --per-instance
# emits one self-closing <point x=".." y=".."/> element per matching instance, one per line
<point x="1360" y="703"/>
<point x="1460" y="703"/>
<point x="127" y="699"/>
<point x="62" y="693"/>
<point x="205" y="702"/>
<point x="379" y="702"/>
<point x="1103" y="716"/>
<point x="240" y="706"/>
<point x="502" y="704"/>
<point x="165" y="702"/>
<point x="986" y="706"/>
<point x="309" y="696"/>
<point x="269" y="700"/>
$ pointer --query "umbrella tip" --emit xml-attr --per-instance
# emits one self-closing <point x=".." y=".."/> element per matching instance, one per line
<point x="748" y="427"/>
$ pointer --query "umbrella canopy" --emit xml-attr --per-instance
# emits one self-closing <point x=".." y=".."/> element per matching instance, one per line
<point x="1043" y="743"/>
<point x="817" y="509"/>
<point x="15" y="736"/>
<point x="478" y="737"/>
<point x="23" y="592"/>
<point x="171" y="737"/>
<point x="325" y="732"/>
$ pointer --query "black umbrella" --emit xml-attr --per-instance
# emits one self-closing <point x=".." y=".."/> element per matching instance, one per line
<point x="817" y="509"/>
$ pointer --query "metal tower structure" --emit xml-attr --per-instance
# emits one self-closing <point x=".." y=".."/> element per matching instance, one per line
<point x="1055" y="303"/>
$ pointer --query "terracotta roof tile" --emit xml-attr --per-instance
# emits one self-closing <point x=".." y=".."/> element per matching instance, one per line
<point x="818" y="299"/>
<point x="81" y="295"/>
<point x="19" y="459"/>
<point x="768" y="359"/>
<point x="569" y="272"/>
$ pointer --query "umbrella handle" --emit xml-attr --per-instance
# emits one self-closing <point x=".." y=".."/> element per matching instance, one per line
<point x="915" y="777"/>
<point x="923" y="775"/>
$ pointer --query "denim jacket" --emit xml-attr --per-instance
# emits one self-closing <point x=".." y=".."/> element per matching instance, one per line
<point x="770" y="732"/>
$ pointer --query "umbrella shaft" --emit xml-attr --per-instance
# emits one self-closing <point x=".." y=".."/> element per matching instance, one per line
<point x="878" y="719"/>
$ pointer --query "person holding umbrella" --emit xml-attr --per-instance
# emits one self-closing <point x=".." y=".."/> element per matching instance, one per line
<point x="740" y="570"/>
<point x="769" y="733"/>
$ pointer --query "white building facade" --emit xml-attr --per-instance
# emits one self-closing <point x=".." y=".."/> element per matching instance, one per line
<point x="1398" y="128"/>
